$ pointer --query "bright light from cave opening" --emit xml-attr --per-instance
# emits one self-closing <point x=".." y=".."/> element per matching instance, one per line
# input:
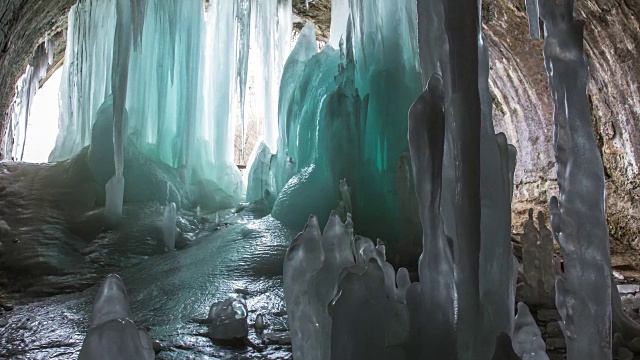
<point x="42" y="128"/>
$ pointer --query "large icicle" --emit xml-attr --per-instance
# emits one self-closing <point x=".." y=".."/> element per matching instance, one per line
<point x="583" y="297"/>
<point x="339" y="16"/>
<point x="272" y="38"/>
<point x="86" y="77"/>
<point x="17" y="116"/>
<point x="243" y="14"/>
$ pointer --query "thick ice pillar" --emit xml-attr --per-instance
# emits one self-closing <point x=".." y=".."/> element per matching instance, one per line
<point x="464" y="121"/>
<point x="583" y="297"/>
<point x="437" y="318"/>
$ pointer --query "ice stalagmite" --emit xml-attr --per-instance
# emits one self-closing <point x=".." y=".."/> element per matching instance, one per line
<point x="436" y="320"/>
<point x="112" y="333"/>
<point x="583" y="297"/>
<point x="260" y="176"/>
<point x="169" y="226"/>
<point x="301" y="265"/>
<point x="527" y="339"/>
<point x="477" y="175"/>
<point x="537" y="262"/>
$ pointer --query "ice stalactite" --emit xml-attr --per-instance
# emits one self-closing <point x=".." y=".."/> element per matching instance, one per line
<point x="123" y="40"/>
<point x="534" y="17"/>
<point x="20" y="108"/>
<point x="243" y="14"/>
<point x="339" y="16"/>
<point x="219" y="111"/>
<point x="583" y="295"/>
<point x="272" y="34"/>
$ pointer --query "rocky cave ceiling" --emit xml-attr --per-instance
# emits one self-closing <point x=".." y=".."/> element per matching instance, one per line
<point x="522" y="102"/>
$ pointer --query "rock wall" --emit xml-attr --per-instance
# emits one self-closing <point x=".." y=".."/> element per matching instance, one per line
<point x="522" y="101"/>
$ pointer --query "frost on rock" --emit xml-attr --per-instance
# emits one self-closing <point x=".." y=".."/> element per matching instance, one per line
<point x="112" y="333"/>
<point x="583" y="296"/>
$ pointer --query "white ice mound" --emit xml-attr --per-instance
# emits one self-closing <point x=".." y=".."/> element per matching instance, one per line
<point x="112" y="334"/>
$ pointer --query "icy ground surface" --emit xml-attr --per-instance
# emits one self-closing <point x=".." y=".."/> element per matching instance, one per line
<point x="219" y="254"/>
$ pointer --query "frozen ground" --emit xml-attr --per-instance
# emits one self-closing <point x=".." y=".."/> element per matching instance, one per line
<point x="47" y="250"/>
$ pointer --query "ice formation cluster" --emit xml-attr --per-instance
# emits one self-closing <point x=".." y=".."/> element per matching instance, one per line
<point x="344" y="300"/>
<point x="180" y="74"/>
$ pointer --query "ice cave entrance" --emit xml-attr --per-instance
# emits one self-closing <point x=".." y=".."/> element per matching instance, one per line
<point x="42" y="127"/>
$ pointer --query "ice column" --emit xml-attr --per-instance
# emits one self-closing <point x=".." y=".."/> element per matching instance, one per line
<point x="436" y="319"/>
<point x="583" y="297"/>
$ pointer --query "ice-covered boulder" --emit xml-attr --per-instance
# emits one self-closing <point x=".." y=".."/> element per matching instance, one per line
<point x="228" y="319"/>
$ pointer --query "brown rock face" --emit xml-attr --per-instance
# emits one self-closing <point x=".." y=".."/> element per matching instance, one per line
<point x="522" y="100"/>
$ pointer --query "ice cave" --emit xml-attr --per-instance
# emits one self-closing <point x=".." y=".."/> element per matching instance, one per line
<point x="320" y="179"/>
